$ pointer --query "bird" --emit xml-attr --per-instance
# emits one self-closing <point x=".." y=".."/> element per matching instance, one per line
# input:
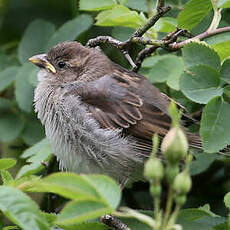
<point x="98" y="116"/>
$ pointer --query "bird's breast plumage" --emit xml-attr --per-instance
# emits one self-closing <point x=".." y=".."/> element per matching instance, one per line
<point x="77" y="140"/>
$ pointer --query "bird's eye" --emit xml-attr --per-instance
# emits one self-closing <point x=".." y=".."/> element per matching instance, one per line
<point x="61" y="64"/>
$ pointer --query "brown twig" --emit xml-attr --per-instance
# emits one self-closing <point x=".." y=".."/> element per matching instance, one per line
<point x="206" y="34"/>
<point x="142" y="55"/>
<point x="152" y="21"/>
<point x="169" y="42"/>
<point x="136" y="37"/>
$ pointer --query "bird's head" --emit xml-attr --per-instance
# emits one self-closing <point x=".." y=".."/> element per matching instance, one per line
<point x="70" y="61"/>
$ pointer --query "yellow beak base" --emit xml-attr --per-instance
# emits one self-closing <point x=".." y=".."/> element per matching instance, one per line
<point x="41" y="61"/>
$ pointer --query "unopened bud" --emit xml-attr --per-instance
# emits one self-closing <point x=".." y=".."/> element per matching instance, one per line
<point x="153" y="169"/>
<point x="174" y="145"/>
<point x="155" y="190"/>
<point x="171" y="172"/>
<point x="182" y="183"/>
<point x="180" y="199"/>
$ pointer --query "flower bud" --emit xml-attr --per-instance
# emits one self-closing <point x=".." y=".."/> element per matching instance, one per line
<point x="180" y="199"/>
<point x="155" y="190"/>
<point x="171" y="172"/>
<point x="153" y="169"/>
<point x="174" y="145"/>
<point x="182" y="183"/>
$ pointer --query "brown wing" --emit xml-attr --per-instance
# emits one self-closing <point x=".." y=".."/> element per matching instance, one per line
<point x="128" y="101"/>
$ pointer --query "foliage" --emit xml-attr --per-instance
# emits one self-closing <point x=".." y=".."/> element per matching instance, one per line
<point x="197" y="75"/>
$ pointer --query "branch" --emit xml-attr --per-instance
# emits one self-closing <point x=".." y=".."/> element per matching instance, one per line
<point x="169" y="42"/>
<point x="152" y="21"/>
<point x="206" y="34"/>
<point x="136" y="37"/>
<point x="142" y="55"/>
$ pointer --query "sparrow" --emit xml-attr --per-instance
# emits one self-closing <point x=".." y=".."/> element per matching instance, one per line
<point x="99" y="117"/>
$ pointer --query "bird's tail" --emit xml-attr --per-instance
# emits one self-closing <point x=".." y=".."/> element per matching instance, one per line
<point x="195" y="142"/>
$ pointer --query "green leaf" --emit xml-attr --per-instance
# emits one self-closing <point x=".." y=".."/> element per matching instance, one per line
<point x="138" y="5"/>
<point x="92" y="5"/>
<point x="21" y="210"/>
<point x="71" y="29"/>
<point x="50" y="217"/>
<point x="192" y="213"/>
<point x="7" y="60"/>
<point x="223" y="226"/>
<point x="226" y="95"/>
<point x="34" y="164"/>
<point x="37" y="153"/>
<point x="119" y="16"/>
<point x="6" y="163"/>
<point x="7" y="76"/>
<point x="81" y="187"/>
<point x="33" y="79"/>
<point x="224" y="3"/>
<point x="202" y="162"/>
<point x="87" y="226"/>
<point x="79" y="211"/>
<point x="207" y="209"/>
<point x="166" y="68"/>
<point x="206" y="222"/>
<point x="200" y="84"/>
<point x="218" y="38"/>
<point x="227" y="200"/>
<point x="43" y="146"/>
<point x="149" y="62"/>
<point x="6" y="177"/>
<point x="193" y="13"/>
<point x="5" y="104"/>
<point x="214" y="130"/>
<point x="33" y="131"/>
<point x="11" y="228"/>
<point x="11" y="126"/>
<point x="198" y="219"/>
<point x="23" y="88"/>
<point x="35" y="39"/>
<point x="221" y="44"/>
<point x="176" y="73"/>
<point x="225" y="71"/>
<point x="75" y="186"/>
<point x="197" y="53"/>
<point x="122" y="33"/>
<point x="106" y="187"/>
<point x="166" y="25"/>
<point x="223" y="49"/>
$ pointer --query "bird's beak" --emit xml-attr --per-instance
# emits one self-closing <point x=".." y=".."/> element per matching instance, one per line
<point x="40" y="60"/>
